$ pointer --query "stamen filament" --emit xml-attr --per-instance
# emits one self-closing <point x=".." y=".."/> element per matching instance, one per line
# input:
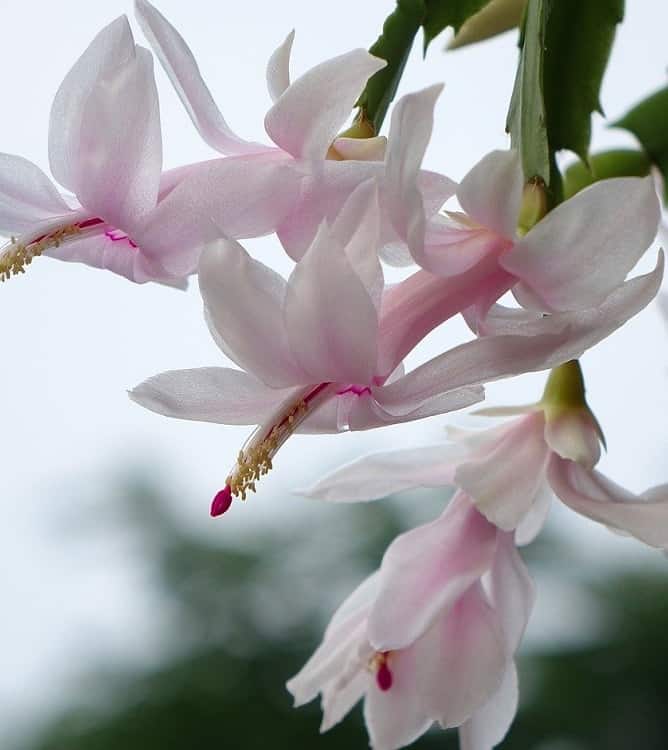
<point x="16" y="255"/>
<point x="255" y="459"/>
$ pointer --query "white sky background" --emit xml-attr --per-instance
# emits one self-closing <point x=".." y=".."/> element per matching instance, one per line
<point x="74" y="338"/>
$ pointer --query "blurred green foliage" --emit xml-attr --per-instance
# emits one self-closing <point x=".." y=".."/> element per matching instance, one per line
<point x="244" y="619"/>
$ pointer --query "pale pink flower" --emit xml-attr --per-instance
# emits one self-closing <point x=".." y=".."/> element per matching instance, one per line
<point x="311" y="348"/>
<point x="289" y="187"/>
<point x="430" y="637"/>
<point x="511" y="471"/>
<point x="105" y="147"/>
<point x="571" y="259"/>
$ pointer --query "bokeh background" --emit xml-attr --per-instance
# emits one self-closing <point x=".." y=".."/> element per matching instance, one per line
<point x="129" y="618"/>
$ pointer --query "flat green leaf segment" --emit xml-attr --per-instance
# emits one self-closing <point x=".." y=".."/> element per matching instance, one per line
<point x="565" y="48"/>
<point x="395" y="43"/>
<point x="648" y="121"/>
<point x="578" y="38"/>
<point x="526" y="121"/>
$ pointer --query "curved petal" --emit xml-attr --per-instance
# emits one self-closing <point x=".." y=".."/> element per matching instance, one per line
<point x="331" y="321"/>
<point x="583" y="249"/>
<point x="208" y="394"/>
<point x="344" y="638"/>
<point x="451" y="249"/>
<point x="119" y="159"/>
<point x="461" y="659"/>
<point x="395" y="717"/>
<point x="410" y="131"/>
<point x="307" y="116"/>
<point x="479" y="361"/>
<point x="325" y="189"/>
<point x="512" y="591"/>
<point x="278" y="68"/>
<point x="520" y="342"/>
<point x="531" y="525"/>
<point x="417" y="305"/>
<point x="181" y="67"/>
<point x="590" y="493"/>
<point x="357" y="228"/>
<point x="491" y="193"/>
<point x="337" y="700"/>
<point x="382" y="474"/>
<point x="573" y="434"/>
<point x="426" y="570"/>
<point x="490" y="724"/>
<point x="235" y="197"/>
<point x="243" y="302"/>
<point x="504" y="478"/>
<point x="112" y="48"/>
<point x="27" y="195"/>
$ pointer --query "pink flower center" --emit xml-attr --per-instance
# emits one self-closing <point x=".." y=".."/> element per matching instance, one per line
<point x="358" y="390"/>
<point x="115" y="235"/>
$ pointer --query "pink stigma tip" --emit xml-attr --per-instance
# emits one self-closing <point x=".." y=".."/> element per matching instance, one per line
<point x="222" y="501"/>
<point x="384" y="677"/>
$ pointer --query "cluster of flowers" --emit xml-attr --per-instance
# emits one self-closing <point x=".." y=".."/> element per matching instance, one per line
<point x="430" y="637"/>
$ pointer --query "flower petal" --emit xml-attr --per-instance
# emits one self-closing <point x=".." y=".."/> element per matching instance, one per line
<point x="417" y="305"/>
<point x="490" y="724"/>
<point x="590" y="493"/>
<point x="343" y="637"/>
<point x="512" y="591"/>
<point x="357" y="227"/>
<point x="330" y="318"/>
<point x="461" y="659"/>
<point x="539" y="343"/>
<point x="574" y="434"/>
<point x="27" y="195"/>
<point x="394" y="717"/>
<point x="111" y="49"/>
<point x="472" y="363"/>
<point x="583" y="249"/>
<point x="278" y="68"/>
<point x="208" y="394"/>
<point x="531" y="525"/>
<point x="491" y="193"/>
<point x="308" y="114"/>
<point x="235" y="197"/>
<point x="119" y="159"/>
<point x="383" y="474"/>
<point x="410" y="131"/>
<point x="181" y="67"/>
<point x="425" y="570"/>
<point x="324" y="191"/>
<point x="243" y="303"/>
<point x="504" y="477"/>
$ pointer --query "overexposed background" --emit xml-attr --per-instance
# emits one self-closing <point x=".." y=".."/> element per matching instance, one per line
<point x="75" y="338"/>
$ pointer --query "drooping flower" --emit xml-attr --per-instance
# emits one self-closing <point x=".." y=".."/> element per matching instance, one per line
<point x="105" y="147"/>
<point x="288" y="187"/>
<point x="511" y="471"/>
<point x="430" y="637"/>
